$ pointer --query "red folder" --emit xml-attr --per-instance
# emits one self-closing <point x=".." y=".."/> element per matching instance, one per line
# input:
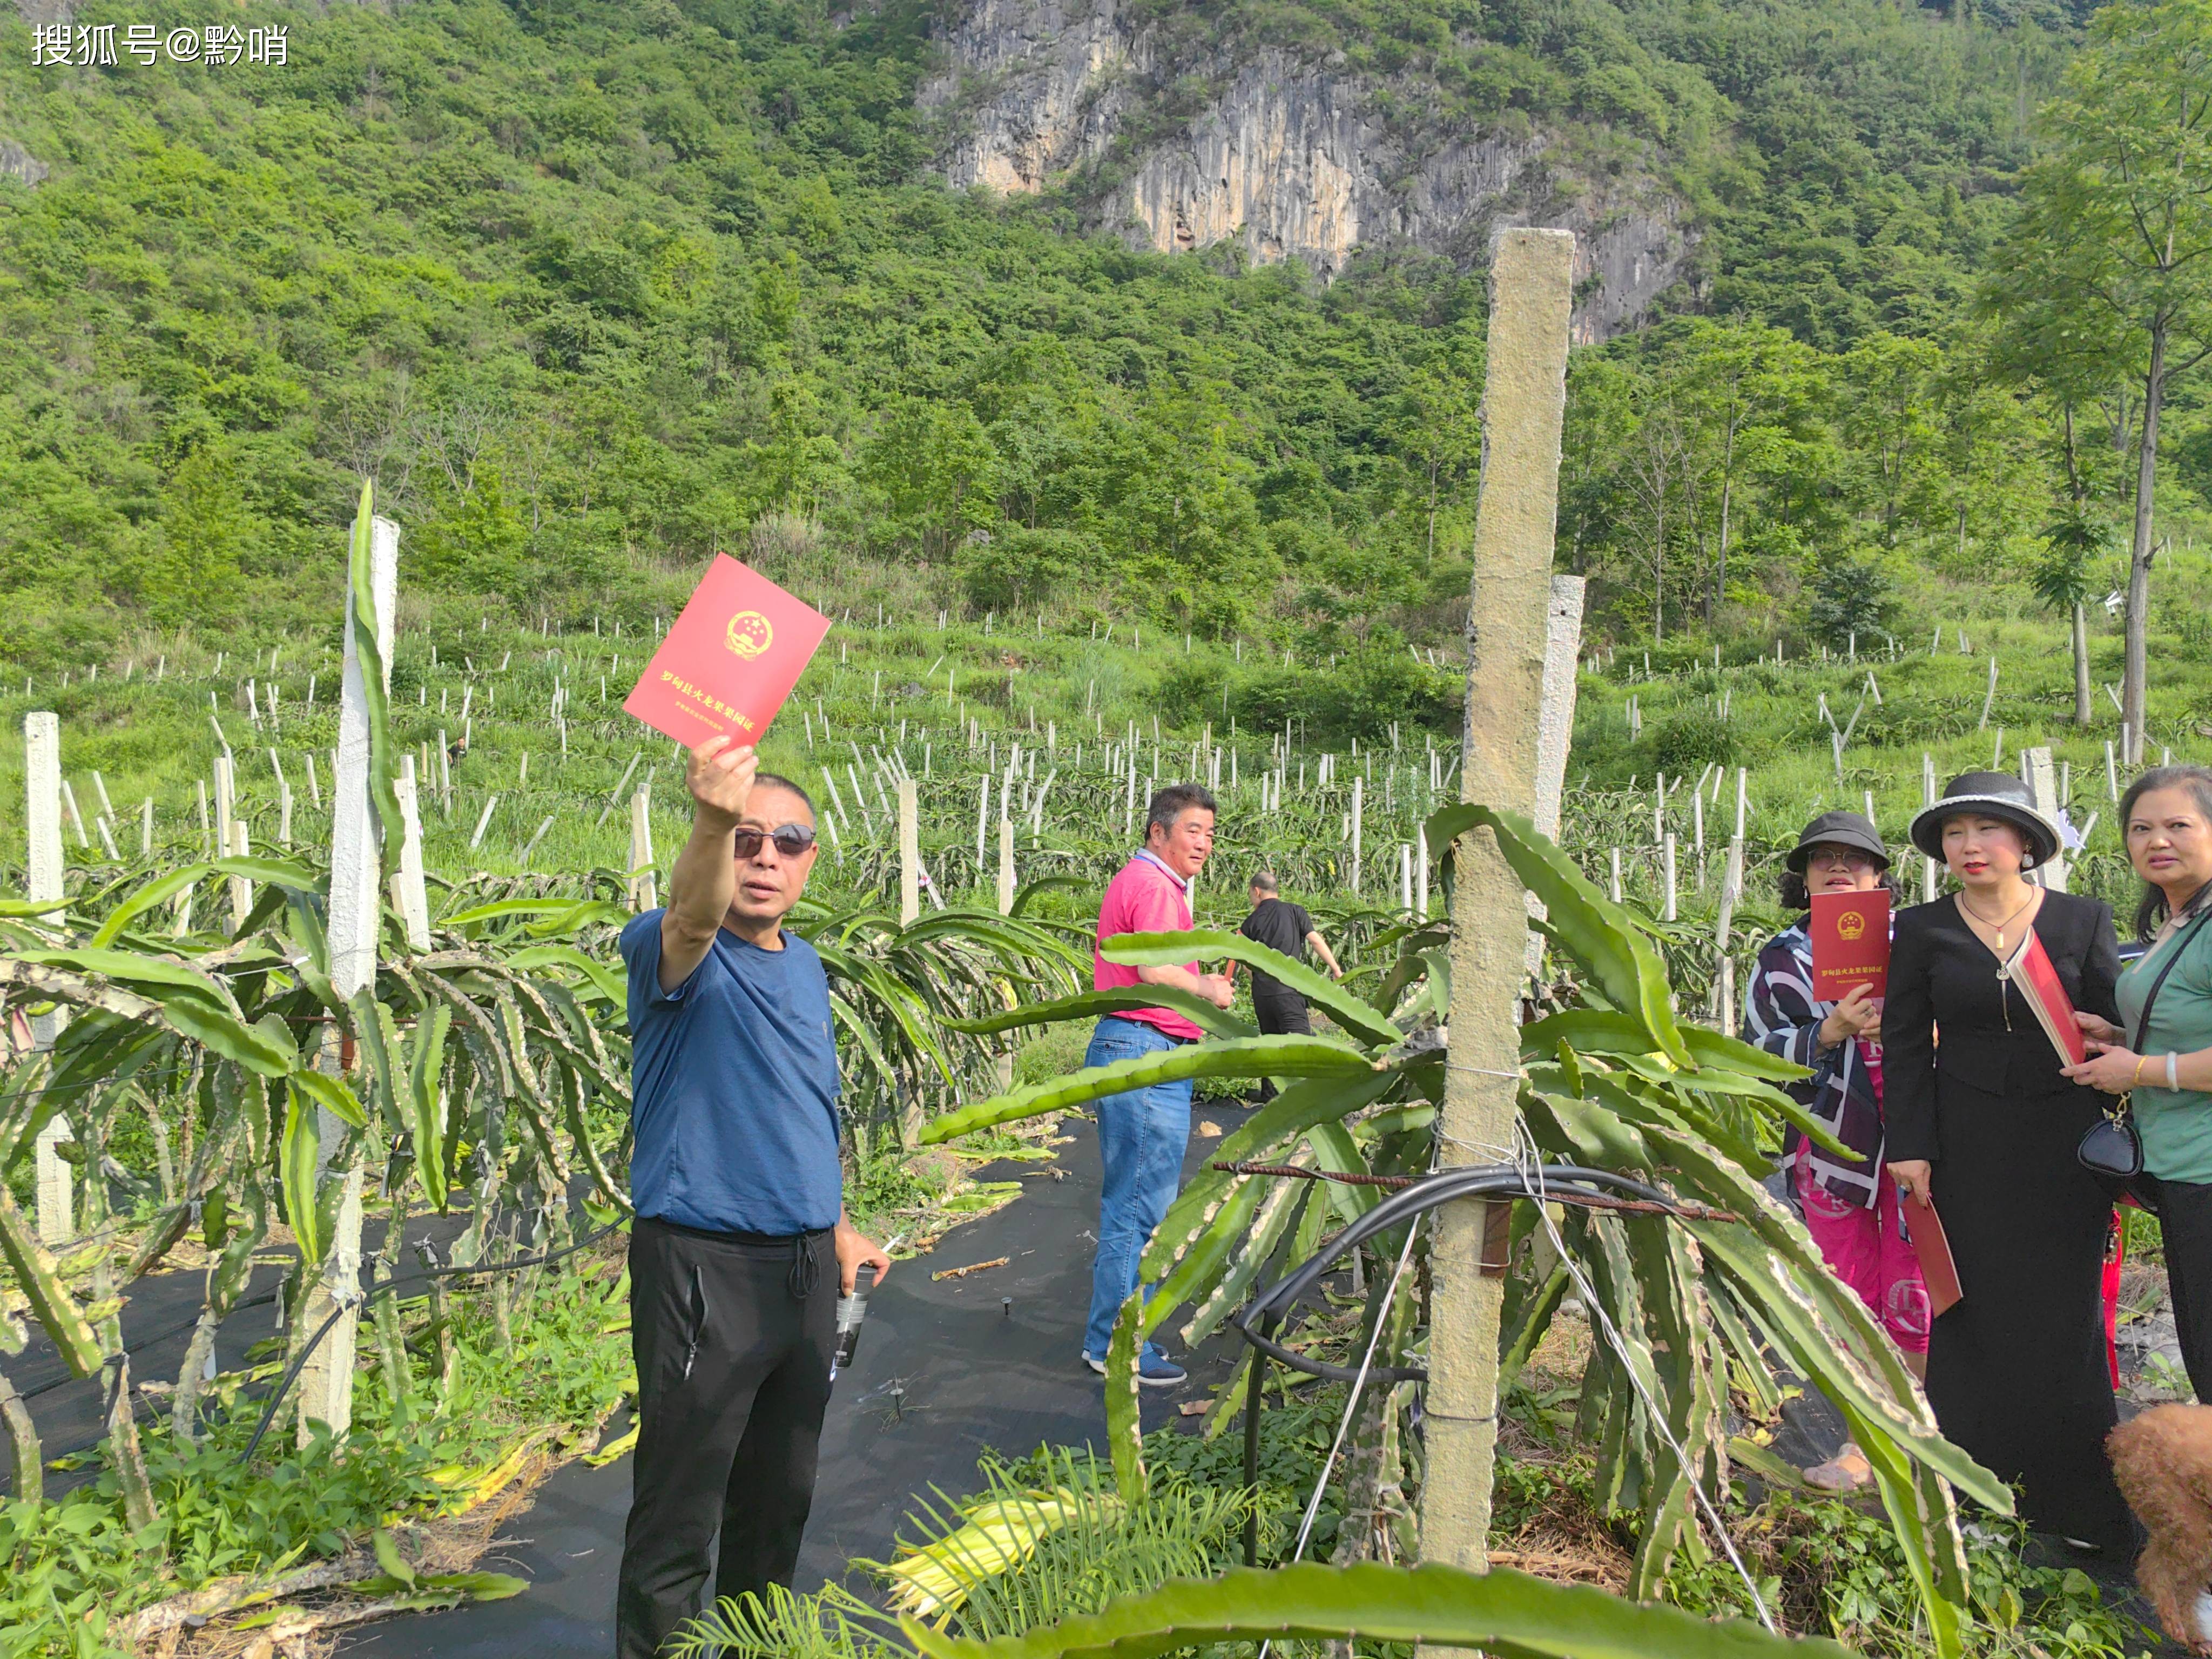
<point x="1851" y="943"/>
<point x="730" y="661"/>
<point x="1933" y="1250"/>
<point x="2029" y="969"/>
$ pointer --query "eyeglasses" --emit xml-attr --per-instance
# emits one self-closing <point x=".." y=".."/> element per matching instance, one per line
<point x="1832" y="857"/>
<point x="790" y="840"/>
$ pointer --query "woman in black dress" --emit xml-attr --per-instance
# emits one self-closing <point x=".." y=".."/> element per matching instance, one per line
<point x="1981" y="1122"/>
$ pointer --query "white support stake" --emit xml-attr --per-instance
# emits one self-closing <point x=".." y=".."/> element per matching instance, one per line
<point x="2041" y="777"/>
<point x="410" y="894"/>
<point x="356" y="916"/>
<point x="643" y="887"/>
<point x="42" y="817"/>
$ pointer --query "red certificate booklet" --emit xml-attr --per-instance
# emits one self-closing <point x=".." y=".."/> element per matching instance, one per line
<point x="1933" y="1251"/>
<point x="731" y="659"/>
<point x="2032" y="977"/>
<point x="1851" y="943"/>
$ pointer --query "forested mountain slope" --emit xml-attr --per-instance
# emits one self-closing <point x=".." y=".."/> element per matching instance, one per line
<point x="594" y="287"/>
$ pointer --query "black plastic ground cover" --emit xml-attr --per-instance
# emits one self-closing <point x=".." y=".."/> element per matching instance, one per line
<point x="159" y="1313"/>
<point x="971" y="1373"/>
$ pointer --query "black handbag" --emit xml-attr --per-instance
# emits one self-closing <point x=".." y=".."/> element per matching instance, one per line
<point x="2111" y="1151"/>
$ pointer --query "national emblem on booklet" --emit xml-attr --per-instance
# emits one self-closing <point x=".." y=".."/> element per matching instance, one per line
<point x="730" y="659"/>
<point x="1851" y="943"/>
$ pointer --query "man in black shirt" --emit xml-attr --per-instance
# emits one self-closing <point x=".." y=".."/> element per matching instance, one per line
<point x="1287" y="928"/>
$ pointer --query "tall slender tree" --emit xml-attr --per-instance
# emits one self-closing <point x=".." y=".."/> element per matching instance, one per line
<point x="2111" y="261"/>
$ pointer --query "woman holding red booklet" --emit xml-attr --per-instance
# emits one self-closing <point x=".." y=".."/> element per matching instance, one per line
<point x="1984" y="1124"/>
<point x="1849" y="1205"/>
<point x="2159" y="1052"/>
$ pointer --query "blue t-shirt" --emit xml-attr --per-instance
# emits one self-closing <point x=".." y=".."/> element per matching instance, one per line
<point x="733" y="1081"/>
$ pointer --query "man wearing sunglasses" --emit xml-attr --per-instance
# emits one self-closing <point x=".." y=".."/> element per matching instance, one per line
<point x="741" y="1247"/>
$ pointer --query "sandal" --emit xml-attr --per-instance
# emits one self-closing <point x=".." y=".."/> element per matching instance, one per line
<point x="1847" y="1471"/>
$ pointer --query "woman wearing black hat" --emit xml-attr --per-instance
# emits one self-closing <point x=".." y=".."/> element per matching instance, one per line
<point x="1982" y="1124"/>
<point x="1849" y="1205"/>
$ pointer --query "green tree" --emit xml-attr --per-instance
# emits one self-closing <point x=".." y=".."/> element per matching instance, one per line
<point x="2064" y="579"/>
<point x="935" y="465"/>
<point x="476" y="540"/>
<point x="203" y="523"/>
<point x="2110" y="263"/>
<point x="1440" y="432"/>
<point x="1746" y="388"/>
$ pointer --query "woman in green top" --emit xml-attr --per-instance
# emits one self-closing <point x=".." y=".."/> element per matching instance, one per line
<point x="2166" y="816"/>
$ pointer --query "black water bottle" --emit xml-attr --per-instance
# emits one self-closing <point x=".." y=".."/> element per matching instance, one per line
<point x="851" y="1310"/>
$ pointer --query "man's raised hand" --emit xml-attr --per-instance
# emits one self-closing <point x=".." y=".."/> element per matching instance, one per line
<point x="719" y="776"/>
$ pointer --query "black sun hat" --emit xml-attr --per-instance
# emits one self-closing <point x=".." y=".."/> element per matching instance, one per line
<point x="1836" y="830"/>
<point x="1992" y="795"/>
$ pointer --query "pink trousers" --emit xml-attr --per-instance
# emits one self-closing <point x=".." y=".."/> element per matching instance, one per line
<point x="1868" y="1251"/>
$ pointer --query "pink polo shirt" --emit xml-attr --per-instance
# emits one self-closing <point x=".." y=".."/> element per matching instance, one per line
<point x="1143" y="898"/>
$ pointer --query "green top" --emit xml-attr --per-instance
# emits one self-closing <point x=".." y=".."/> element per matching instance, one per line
<point x="2176" y="1123"/>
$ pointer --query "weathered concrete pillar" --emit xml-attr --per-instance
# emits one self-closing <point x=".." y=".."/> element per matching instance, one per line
<point x="1555" y="731"/>
<point x="357" y="885"/>
<point x="910" y="845"/>
<point x="1006" y="863"/>
<point x="42" y="819"/>
<point x="644" y="892"/>
<point x="1563" y="646"/>
<point x="2041" y="777"/>
<point x="410" y="894"/>
<point x="1524" y="399"/>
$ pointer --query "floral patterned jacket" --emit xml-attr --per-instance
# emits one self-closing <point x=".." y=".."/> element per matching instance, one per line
<point x="1782" y="1016"/>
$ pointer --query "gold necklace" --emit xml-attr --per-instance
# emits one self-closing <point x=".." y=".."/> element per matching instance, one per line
<point x="1999" y="925"/>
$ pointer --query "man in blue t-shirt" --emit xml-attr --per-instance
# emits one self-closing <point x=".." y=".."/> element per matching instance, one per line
<point x="741" y="1247"/>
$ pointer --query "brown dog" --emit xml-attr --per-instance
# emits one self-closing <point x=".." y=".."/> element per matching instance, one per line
<point x="2163" y="1460"/>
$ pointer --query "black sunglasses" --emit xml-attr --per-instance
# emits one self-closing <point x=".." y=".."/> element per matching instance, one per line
<point x="790" y="840"/>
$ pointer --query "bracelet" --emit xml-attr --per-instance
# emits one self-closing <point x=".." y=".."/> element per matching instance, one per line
<point x="2174" y="1070"/>
<point x="2141" y="1061"/>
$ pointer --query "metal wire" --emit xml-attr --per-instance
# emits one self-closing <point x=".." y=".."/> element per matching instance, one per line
<point x="1533" y="1172"/>
<point x="363" y="1298"/>
<point x="1351" y="1404"/>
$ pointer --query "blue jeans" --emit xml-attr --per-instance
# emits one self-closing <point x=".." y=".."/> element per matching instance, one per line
<point x="1141" y="1138"/>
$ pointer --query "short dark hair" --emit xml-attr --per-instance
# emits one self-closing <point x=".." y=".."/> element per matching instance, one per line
<point x="777" y="781"/>
<point x="1263" y="881"/>
<point x="1171" y="802"/>
<point x="2151" y="908"/>
<point x="1790" y="887"/>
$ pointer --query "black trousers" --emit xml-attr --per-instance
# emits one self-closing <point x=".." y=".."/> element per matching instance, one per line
<point x="1283" y="1014"/>
<point x="732" y="1337"/>
<point x="2185" y="1216"/>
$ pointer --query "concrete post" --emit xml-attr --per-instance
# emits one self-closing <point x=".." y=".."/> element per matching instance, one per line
<point x="411" y="895"/>
<point x="327" y="1381"/>
<point x="2041" y="777"/>
<point x="1358" y="813"/>
<point x="1562" y="645"/>
<point x="910" y="845"/>
<point x="643" y="894"/>
<point x="1006" y="863"/>
<point x="1531" y="286"/>
<point x="1555" y="730"/>
<point x="42" y="819"/>
<point x="241" y="891"/>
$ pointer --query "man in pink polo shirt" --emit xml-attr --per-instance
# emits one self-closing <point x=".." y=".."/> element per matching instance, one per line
<point x="1142" y="1134"/>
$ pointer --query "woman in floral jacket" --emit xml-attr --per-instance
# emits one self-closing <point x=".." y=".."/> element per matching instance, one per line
<point x="1850" y="1203"/>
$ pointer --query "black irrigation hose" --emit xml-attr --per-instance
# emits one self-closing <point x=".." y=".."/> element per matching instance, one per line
<point x="474" y="1270"/>
<point x="146" y="1342"/>
<point x="1273" y="1306"/>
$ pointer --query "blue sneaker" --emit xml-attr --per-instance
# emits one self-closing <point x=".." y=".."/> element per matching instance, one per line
<point x="1155" y="1371"/>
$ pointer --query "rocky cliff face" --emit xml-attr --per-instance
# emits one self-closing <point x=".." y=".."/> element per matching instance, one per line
<point x="1286" y="155"/>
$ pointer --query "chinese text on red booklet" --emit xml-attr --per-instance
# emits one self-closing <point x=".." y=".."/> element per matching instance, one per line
<point x="730" y="661"/>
